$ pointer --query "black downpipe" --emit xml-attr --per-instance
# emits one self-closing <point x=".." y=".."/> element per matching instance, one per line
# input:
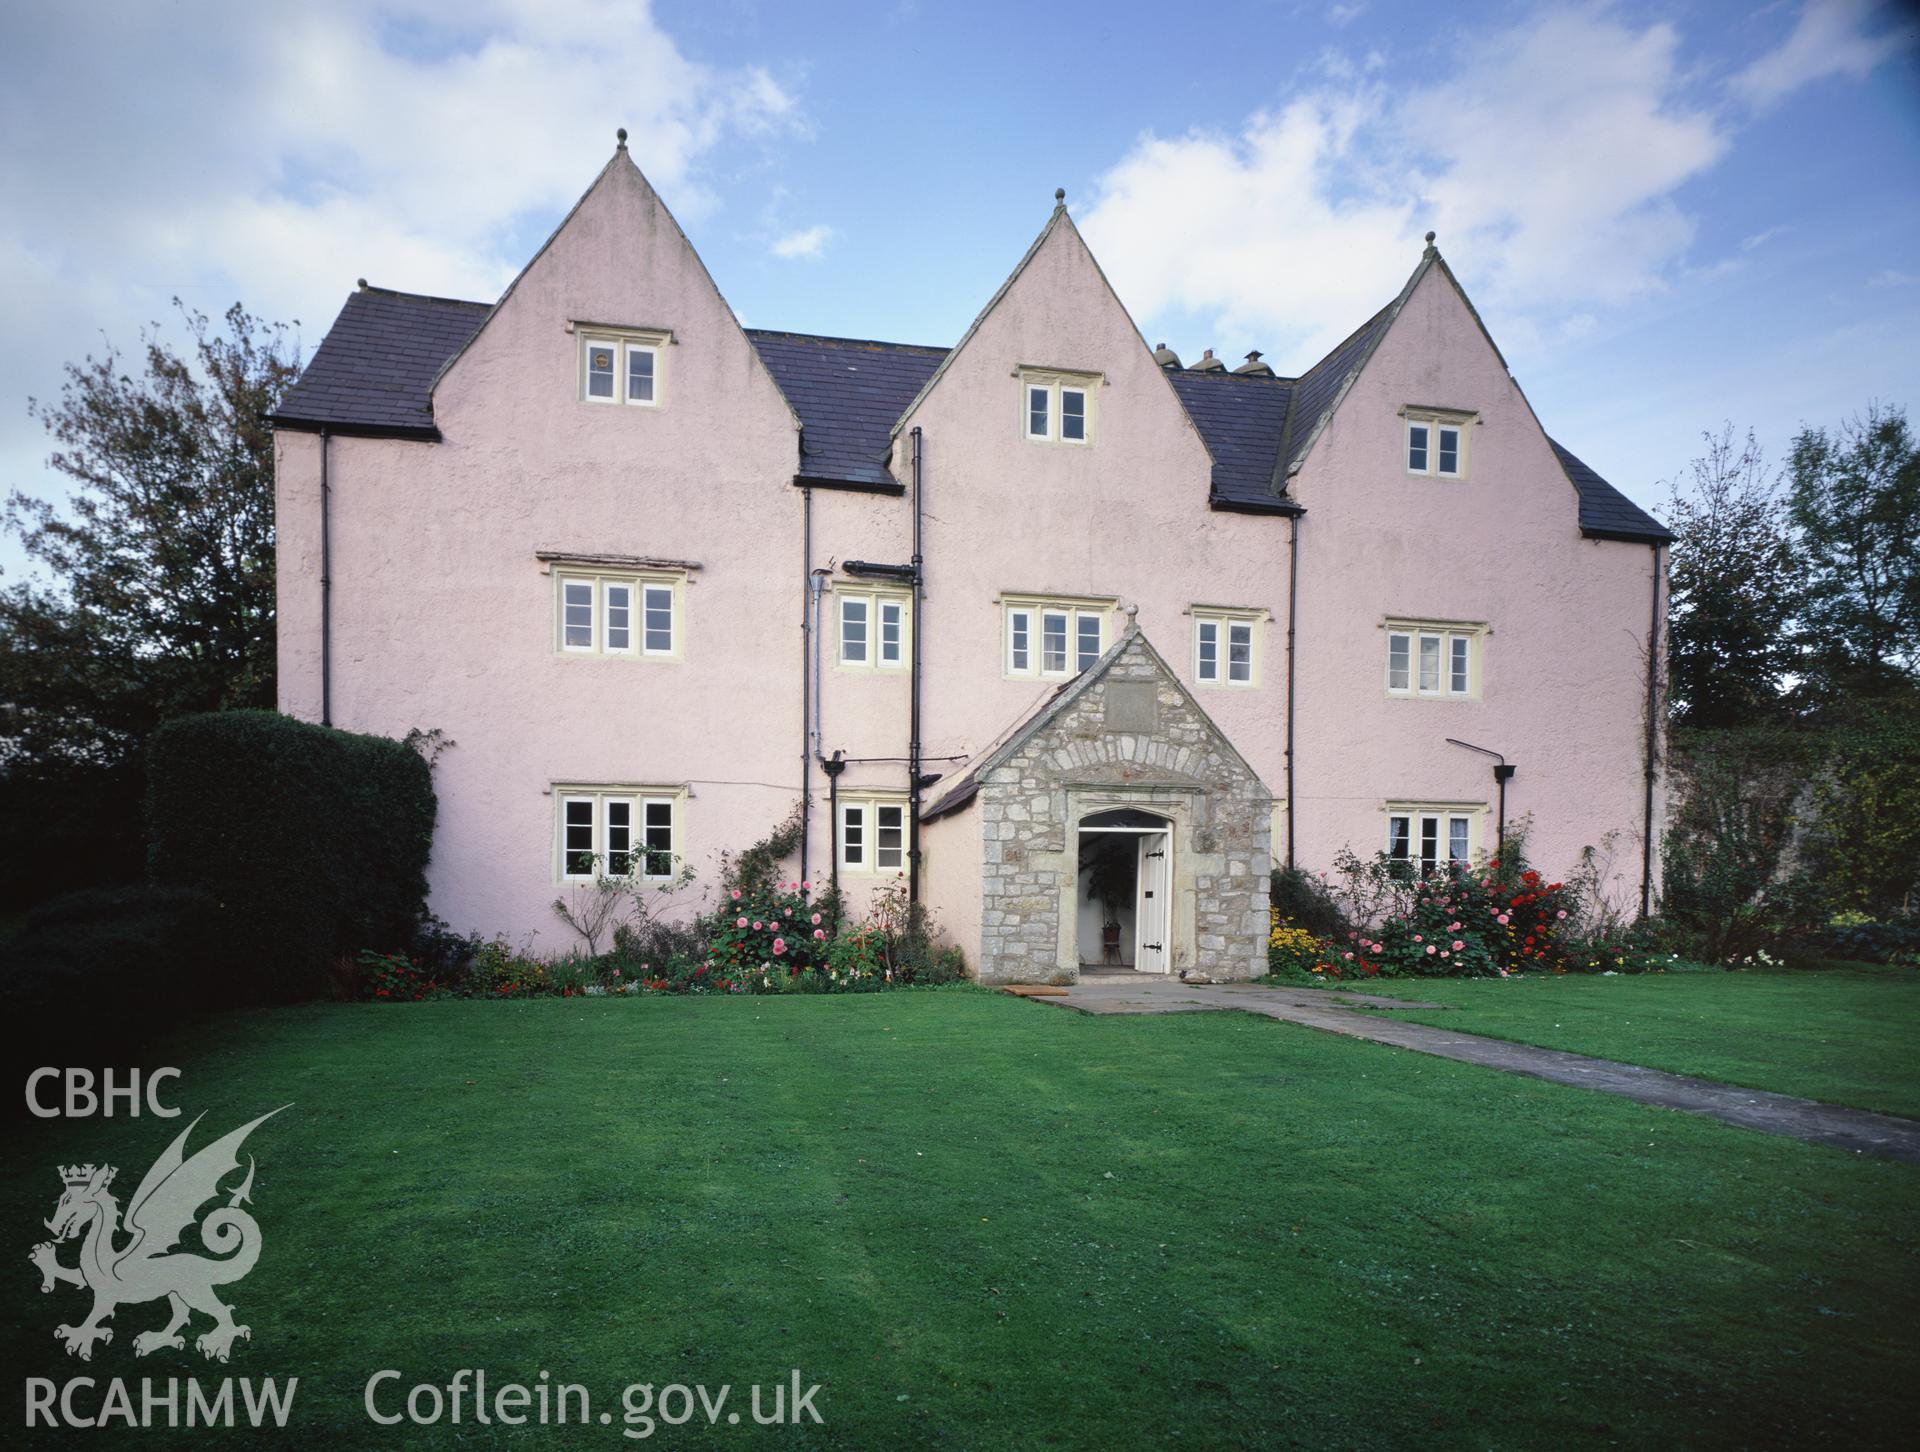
<point x="913" y="725"/>
<point x="1293" y="611"/>
<point x="326" y="585"/>
<point x="806" y="676"/>
<point x="1653" y="740"/>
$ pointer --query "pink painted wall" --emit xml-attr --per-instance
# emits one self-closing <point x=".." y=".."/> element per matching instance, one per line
<point x="443" y="617"/>
<point x="1564" y="670"/>
<point x="951" y="850"/>
<point x="1122" y="518"/>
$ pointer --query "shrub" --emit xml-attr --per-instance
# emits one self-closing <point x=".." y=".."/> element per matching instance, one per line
<point x="1303" y="899"/>
<point x="1293" y="951"/>
<point x="398" y="977"/>
<point x="1864" y="835"/>
<point x="1645" y="947"/>
<point x="762" y="932"/>
<point x="314" y="842"/>
<point x="103" y="969"/>
<point x="779" y="937"/>
<point x="1499" y="917"/>
<point x="1854" y="935"/>
<point x="1741" y="800"/>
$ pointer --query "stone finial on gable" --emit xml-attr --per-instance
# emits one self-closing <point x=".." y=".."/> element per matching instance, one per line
<point x="621" y="139"/>
<point x="1431" y="251"/>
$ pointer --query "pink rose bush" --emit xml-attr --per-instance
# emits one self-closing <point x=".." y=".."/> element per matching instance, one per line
<point x="1430" y="923"/>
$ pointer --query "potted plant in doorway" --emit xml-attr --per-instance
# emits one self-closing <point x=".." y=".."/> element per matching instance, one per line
<point x="1110" y="882"/>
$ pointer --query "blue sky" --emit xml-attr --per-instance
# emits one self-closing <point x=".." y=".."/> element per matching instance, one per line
<point x="1670" y="215"/>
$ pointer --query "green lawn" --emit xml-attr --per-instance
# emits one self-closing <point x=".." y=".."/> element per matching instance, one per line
<point x="1845" y="1035"/>
<point x="982" y="1223"/>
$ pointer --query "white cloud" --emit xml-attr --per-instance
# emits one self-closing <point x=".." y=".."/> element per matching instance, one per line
<point x="226" y="149"/>
<point x="1762" y="238"/>
<point x="1831" y="38"/>
<point x="1892" y="277"/>
<point x="808" y="242"/>
<point x="1339" y="16"/>
<point x="1547" y="160"/>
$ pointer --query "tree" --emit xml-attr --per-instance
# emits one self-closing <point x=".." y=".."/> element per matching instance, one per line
<point x="1855" y="499"/>
<point x="160" y="600"/>
<point x="1734" y="588"/>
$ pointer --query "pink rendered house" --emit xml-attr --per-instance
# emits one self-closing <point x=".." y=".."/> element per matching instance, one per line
<point x="1079" y="640"/>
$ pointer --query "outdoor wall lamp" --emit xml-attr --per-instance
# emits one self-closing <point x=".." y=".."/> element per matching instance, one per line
<point x="1502" y="771"/>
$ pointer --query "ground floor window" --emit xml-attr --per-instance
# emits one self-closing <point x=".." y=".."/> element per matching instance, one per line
<point x="873" y="834"/>
<point x="616" y="832"/>
<point x="1430" y="836"/>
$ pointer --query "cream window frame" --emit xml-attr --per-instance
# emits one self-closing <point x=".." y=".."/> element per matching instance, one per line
<point x="639" y="583"/>
<point x="1055" y="383"/>
<point x="623" y="342"/>
<point x="1459" y="422"/>
<point x="637" y="800"/>
<point x="1448" y="635"/>
<point x="1224" y="619"/>
<point x="868" y="806"/>
<point x="1034" y="608"/>
<point x="877" y="600"/>
<point x="1442" y="815"/>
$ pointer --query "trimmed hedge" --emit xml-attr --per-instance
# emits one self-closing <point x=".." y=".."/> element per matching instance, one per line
<point x="313" y="841"/>
<point x="102" y="970"/>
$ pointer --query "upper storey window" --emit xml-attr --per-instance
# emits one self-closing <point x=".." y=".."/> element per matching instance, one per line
<point x="873" y="629"/>
<point x="1226" y="646"/>
<point x="1433" y="658"/>
<point x="622" y="366"/>
<point x="630" y="615"/>
<point x="1437" y="442"/>
<point x="1053" y="636"/>
<point x="1056" y="407"/>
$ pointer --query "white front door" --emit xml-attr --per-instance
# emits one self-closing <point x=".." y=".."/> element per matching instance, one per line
<point x="1150" y="914"/>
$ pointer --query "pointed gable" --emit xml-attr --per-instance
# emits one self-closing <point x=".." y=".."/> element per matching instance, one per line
<point x="1601" y="511"/>
<point x="619" y="260"/>
<point x="1157" y="735"/>
<point x="1057" y="313"/>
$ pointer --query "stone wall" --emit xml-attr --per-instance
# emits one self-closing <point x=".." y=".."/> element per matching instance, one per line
<point x="1125" y="735"/>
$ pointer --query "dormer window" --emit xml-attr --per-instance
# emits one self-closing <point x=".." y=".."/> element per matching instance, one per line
<point x="1437" y="442"/>
<point x="1057" y="408"/>
<point x="623" y="366"/>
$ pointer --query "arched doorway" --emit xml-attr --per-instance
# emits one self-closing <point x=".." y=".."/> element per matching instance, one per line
<point x="1125" y="872"/>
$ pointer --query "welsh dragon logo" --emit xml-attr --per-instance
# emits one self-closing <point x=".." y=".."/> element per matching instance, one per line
<point x="146" y="1266"/>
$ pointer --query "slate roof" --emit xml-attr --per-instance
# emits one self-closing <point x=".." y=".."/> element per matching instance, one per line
<point x="1318" y="389"/>
<point x="374" y="374"/>
<point x="848" y="394"/>
<point x="1606" y="513"/>
<point x="1242" y="419"/>
<point x="374" y="371"/>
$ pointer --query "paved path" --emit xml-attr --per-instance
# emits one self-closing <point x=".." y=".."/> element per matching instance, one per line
<point x="1351" y="1014"/>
